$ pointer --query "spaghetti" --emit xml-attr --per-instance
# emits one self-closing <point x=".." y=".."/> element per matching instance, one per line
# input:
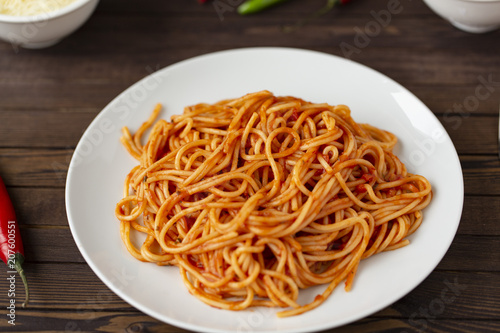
<point x="258" y="197"/>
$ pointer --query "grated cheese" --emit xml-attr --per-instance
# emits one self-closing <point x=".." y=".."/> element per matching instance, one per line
<point x="31" y="7"/>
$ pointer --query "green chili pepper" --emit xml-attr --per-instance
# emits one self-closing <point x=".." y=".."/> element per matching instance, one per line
<point x="254" y="6"/>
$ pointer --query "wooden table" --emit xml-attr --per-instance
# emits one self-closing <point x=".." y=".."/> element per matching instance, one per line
<point x="48" y="97"/>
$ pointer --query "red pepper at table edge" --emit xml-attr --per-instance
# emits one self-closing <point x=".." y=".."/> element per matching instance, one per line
<point x="11" y="247"/>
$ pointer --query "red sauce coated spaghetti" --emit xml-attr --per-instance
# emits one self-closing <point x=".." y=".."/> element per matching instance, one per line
<point x="258" y="197"/>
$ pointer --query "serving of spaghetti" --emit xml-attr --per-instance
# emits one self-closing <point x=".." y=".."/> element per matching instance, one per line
<point x="258" y="197"/>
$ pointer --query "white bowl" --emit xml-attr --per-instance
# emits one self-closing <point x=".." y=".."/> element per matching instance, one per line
<point x="475" y="16"/>
<point x="46" y="29"/>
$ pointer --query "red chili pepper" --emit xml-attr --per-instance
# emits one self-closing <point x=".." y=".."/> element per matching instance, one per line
<point x="11" y="245"/>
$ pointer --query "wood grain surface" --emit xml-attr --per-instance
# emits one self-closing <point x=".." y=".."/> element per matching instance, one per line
<point x="48" y="97"/>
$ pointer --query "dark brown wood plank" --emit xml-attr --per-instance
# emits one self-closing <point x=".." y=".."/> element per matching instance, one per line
<point x="64" y="286"/>
<point x="435" y="67"/>
<point x="480" y="216"/>
<point x="442" y="296"/>
<point x="52" y="129"/>
<point x="418" y="325"/>
<point x="451" y="294"/>
<point x="86" y="321"/>
<point x="37" y="207"/>
<point x="449" y="100"/>
<point x="55" y="321"/>
<point x="50" y="95"/>
<point x="474" y="253"/>
<point x="50" y="244"/>
<point x="34" y="167"/>
<point x="481" y="176"/>
<point x="472" y="135"/>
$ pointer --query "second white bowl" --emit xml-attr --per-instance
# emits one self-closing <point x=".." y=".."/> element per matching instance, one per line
<point x="475" y="16"/>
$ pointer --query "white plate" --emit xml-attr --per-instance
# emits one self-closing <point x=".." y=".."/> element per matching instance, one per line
<point x="100" y="163"/>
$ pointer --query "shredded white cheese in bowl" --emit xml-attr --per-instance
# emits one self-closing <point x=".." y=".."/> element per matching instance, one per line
<point x="31" y="7"/>
<point x="38" y="24"/>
